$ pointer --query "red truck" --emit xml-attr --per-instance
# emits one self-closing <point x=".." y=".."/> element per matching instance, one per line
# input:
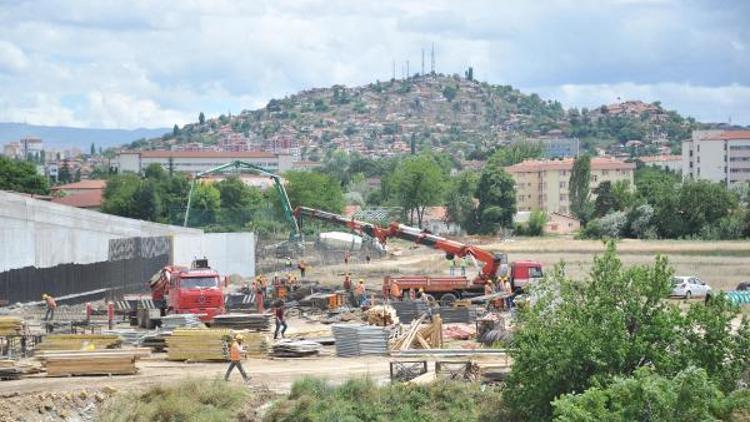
<point x="180" y="290"/>
<point x="444" y="288"/>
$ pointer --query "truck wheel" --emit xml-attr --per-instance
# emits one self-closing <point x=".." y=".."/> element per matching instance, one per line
<point x="448" y="299"/>
<point x="430" y="298"/>
<point x="688" y="295"/>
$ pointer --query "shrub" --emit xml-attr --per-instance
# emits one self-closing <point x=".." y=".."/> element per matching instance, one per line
<point x="188" y="400"/>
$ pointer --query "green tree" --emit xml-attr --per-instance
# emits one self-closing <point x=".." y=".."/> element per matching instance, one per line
<point x="688" y="396"/>
<point x="77" y="176"/>
<point x="175" y="131"/>
<point x="703" y="203"/>
<point x="459" y="200"/>
<point x="314" y="190"/>
<point x="497" y="199"/>
<point x="536" y="223"/>
<point x="118" y="195"/>
<point x="92" y="151"/>
<point x="63" y="174"/>
<point x="516" y="153"/>
<point x="579" y="188"/>
<point x="145" y="202"/>
<point x="155" y="171"/>
<point x="450" y="92"/>
<point x="201" y="118"/>
<point x="21" y="176"/>
<point x="418" y="184"/>
<point x="580" y="334"/>
<point x="605" y="199"/>
<point x="205" y="205"/>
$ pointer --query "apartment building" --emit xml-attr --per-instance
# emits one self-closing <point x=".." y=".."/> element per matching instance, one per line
<point x="664" y="162"/>
<point x="717" y="155"/>
<point x="197" y="161"/>
<point x="543" y="184"/>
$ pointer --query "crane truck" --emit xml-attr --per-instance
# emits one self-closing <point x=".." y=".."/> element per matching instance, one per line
<point x="446" y="289"/>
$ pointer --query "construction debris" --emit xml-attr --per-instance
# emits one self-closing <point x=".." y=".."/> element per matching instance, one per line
<point x="459" y="331"/>
<point x="457" y="371"/>
<point x="13" y="369"/>
<point x="296" y="348"/>
<point x="382" y="316"/>
<point x="407" y="370"/>
<point x="79" y="342"/>
<point x="358" y="340"/>
<point x="171" y="322"/>
<point x="10" y="325"/>
<point x="417" y="336"/>
<point x="105" y="362"/>
<point x="259" y="322"/>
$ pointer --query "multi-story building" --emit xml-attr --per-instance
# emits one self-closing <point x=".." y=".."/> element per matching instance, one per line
<point x="543" y="184"/>
<point x="31" y="146"/>
<point x="197" y="161"/>
<point x="665" y="162"/>
<point x="717" y="155"/>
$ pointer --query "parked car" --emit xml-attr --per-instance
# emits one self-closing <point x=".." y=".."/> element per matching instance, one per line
<point x="687" y="287"/>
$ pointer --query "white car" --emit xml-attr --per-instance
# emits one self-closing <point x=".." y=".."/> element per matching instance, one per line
<point x="688" y="287"/>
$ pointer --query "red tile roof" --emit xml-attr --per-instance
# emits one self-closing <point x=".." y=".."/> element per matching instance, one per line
<point x="206" y="154"/>
<point x="88" y="199"/>
<point x="729" y="135"/>
<point x="94" y="184"/>
<point x="597" y="163"/>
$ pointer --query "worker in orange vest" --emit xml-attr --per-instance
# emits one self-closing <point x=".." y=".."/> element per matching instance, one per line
<point x="51" y="306"/>
<point x="395" y="291"/>
<point x="488" y="290"/>
<point x="260" y="287"/>
<point x="235" y="358"/>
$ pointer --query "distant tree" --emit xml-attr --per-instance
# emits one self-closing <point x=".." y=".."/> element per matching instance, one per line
<point x="100" y="151"/>
<point x="118" y="195"/>
<point x="63" y="174"/>
<point x="154" y="171"/>
<point x="470" y="74"/>
<point x="516" y="153"/>
<point x="42" y="157"/>
<point x="703" y="203"/>
<point x="450" y="92"/>
<point x="170" y="165"/>
<point x="418" y="184"/>
<point x="77" y="176"/>
<point x="146" y="202"/>
<point x="497" y="199"/>
<point x="605" y="200"/>
<point x="201" y="118"/>
<point x="175" y="131"/>
<point x="92" y="150"/>
<point x="314" y="190"/>
<point x="21" y="176"/>
<point x="205" y="205"/>
<point x="459" y="200"/>
<point x="579" y="188"/>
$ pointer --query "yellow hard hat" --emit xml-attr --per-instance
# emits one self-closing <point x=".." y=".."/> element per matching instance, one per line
<point x="45" y="296"/>
<point x="421" y="289"/>
<point x="361" y="280"/>
<point x="239" y="337"/>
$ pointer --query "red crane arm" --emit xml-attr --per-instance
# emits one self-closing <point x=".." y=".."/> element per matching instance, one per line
<point x="491" y="261"/>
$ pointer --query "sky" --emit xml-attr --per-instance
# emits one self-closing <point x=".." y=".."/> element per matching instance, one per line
<point x="131" y="64"/>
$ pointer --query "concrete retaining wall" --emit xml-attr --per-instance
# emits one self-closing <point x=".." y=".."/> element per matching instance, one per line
<point x="41" y="234"/>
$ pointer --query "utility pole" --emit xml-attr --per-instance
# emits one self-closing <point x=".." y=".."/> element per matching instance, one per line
<point x="408" y="74"/>
<point x="432" y="59"/>
<point x="394" y="70"/>
<point x="422" y="62"/>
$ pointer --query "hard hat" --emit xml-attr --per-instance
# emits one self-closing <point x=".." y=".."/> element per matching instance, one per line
<point x="421" y="289"/>
<point x="361" y="280"/>
<point x="45" y="296"/>
<point x="239" y="337"/>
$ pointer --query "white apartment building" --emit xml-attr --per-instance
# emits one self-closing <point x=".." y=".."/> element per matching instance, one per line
<point x="196" y="161"/>
<point x="717" y="155"/>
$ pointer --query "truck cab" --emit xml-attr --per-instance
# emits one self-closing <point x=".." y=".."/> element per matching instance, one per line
<point x="524" y="272"/>
<point x="197" y="290"/>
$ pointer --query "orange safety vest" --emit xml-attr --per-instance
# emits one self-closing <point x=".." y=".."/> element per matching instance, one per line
<point x="234" y="352"/>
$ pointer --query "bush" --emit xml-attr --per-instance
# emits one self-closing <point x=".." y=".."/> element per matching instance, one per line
<point x="610" y="226"/>
<point x="314" y="399"/>
<point x="188" y="400"/>
<point x="535" y="225"/>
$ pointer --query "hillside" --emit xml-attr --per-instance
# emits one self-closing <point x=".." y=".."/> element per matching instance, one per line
<point x="451" y="113"/>
<point x="71" y="137"/>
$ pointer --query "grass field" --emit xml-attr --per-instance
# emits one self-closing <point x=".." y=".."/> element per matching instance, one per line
<point x="721" y="264"/>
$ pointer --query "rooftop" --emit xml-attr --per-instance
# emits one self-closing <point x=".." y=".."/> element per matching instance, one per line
<point x="202" y="154"/>
<point x="94" y="184"/>
<point x="597" y="163"/>
<point x="87" y="199"/>
<point x="728" y="135"/>
<point x="660" y="158"/>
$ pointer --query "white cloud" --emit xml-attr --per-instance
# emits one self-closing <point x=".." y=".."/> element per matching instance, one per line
<point x="149" y="63"/>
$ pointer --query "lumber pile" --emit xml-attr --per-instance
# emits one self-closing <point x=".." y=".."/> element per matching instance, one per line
<point x="8" y="370"/>
<point x="104" y="362"/>
<point x="79" y="341"/>
<point x="295" y="348"/>
<point x="382" y="316"/>
<point x="157" y="342"/>
<point x="419" y="336"/>
<point x="10" y="325"/>
<point x="259" y="322"/>
<point x="198" y="344"/>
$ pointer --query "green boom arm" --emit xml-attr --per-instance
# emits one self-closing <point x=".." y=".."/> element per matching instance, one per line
<point x="278" y="186"/>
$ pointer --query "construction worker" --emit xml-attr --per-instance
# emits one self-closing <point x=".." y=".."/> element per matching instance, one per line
<point x="260" y="290"/>
<point x="278" y="312"/>
<point x="488" y="290"/>
<point x="302" y="267"/>
<point x="453" y="266"/>
<point x="289" y="263"/>
<point x="235" y="357"/>
<point x="347" y="255"/>
<point x="347" y="282"/>
<point x="359" y="292"/>
<point x="51" y="306"/>
<point x="463" y="266"/>
<point x="395" y="291"/>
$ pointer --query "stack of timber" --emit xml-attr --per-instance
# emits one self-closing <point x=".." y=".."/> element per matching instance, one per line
<point x="358" y="340"/>
<point x="157" y="342"/>
<point x="171" y="322"/>
<point x="382" y="316"/>
<point x="10" y="325"/>
<point x="101" y="362"/>
<point x="79" y="342"/>
<point x="8" y="370"/>
<point x="409" y="311"/>
<point x="295" y="348"/>
<point x="128" y="336"/>
<point x="255" y="344"/>
<point x="452" y="315"/>
<point x="418" y="336"/>
<point x="259" y="322"/>
<point x="198" y="344"/>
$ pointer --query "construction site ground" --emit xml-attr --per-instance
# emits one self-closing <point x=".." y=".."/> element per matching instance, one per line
<point x="721" y="264"/>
